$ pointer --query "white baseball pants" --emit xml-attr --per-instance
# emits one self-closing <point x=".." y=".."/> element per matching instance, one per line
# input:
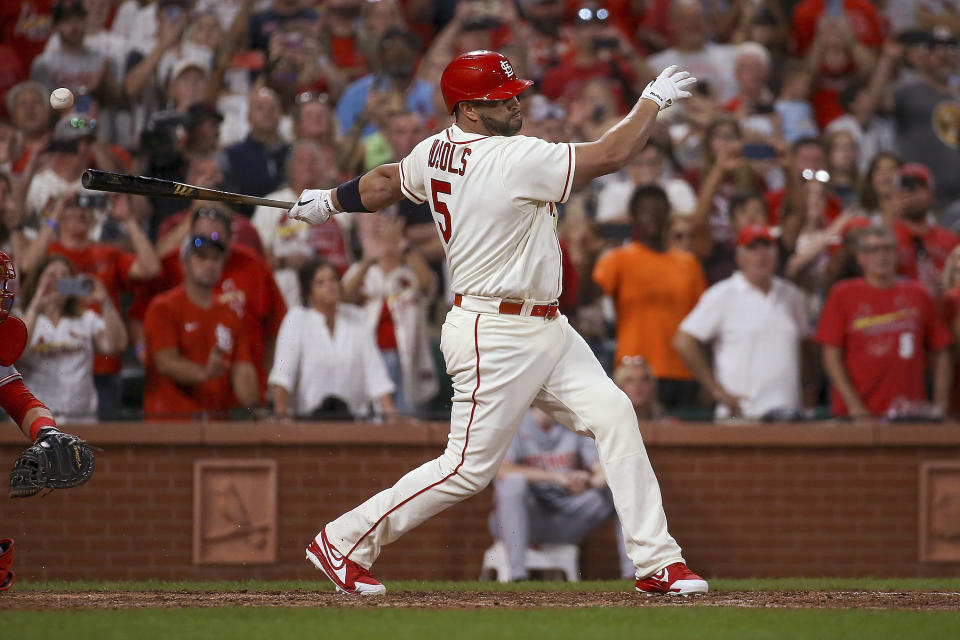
<point x="501" y="365"/>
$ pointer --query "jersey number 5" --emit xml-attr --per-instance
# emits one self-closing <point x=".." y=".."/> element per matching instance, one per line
<point x="437" y="187"/>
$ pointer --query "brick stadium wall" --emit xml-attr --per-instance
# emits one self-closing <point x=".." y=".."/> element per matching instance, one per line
<point x="742" y="501"/>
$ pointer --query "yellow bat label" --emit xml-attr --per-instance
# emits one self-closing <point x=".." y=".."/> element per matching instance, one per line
<point x="182" y="190"/>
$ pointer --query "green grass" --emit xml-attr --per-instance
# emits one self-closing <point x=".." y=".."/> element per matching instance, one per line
<point x="752" y="584"/>
<point x="231" y="623"/>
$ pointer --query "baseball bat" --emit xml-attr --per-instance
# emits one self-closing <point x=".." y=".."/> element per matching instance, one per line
<point x="160" y="188"/>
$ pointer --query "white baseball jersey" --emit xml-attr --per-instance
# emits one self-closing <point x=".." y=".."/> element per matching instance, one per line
<point x="492" y="198"/>
<point x="8" y="374"/>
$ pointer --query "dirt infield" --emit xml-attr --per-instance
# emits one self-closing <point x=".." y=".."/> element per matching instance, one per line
<point x="49" y="600"/>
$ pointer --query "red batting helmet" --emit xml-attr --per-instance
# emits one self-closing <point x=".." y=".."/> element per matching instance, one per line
<point x="480" y="75"/>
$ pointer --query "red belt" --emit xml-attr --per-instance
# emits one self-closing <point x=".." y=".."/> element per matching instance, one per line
<point x="516" y="308"/>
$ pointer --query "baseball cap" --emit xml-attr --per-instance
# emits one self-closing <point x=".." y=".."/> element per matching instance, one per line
<point x="187" y="63"/>
<point x="914" y="174"/>
<point x="68" y="9"/>
<point x="943" y="35"/>
<point x="754" y="233"/>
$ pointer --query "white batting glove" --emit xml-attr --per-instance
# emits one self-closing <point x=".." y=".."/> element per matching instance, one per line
<point x="315" y="206"/>
<point x="669" y="87"/>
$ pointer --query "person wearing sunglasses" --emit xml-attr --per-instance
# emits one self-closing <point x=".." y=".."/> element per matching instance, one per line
<point x="879" y="335"/>
<point x="198" y="352"/>
<point x="922" y="245"/>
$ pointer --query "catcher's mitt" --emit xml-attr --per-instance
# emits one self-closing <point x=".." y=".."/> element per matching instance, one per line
<point x="56" y="460"/>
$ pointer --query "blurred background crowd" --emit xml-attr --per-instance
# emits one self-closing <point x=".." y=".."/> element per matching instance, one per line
<point x="785" y="247"/>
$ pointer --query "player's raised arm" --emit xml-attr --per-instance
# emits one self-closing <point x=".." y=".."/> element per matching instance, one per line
<point x="373" y="191"/>
<point x="625" y="139"/>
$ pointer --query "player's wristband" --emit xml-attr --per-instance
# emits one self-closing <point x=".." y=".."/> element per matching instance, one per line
<point x="40" y="423"/>
<point x="348" y="195"/>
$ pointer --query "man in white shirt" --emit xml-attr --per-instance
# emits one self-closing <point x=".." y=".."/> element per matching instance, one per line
<point x="756" y="323"/>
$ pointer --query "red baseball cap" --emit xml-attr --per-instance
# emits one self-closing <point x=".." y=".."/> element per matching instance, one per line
<point x="918" y="171"/>
<point x="753" y="233"/>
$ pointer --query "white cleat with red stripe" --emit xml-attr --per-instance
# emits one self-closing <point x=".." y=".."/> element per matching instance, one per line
<point x="347" y="575"/>
<point x="675" y="579"/>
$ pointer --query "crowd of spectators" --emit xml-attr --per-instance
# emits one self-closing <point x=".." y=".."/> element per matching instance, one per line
<point x="785" y="246"/>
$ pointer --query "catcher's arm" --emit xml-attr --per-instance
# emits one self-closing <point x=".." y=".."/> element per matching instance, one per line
<point x="29" y="413"/>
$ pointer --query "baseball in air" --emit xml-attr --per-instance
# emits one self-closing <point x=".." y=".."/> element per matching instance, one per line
<point x="61" y="99"/>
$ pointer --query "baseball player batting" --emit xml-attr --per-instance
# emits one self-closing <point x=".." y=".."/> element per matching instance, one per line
<point x="505" y="344"/>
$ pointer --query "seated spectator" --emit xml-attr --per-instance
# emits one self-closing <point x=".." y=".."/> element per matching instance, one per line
<point x="922" y="245"/>
<point x="72" y="151"/>
<point x="64" y="336"/>
<point x="199" y="361"/>
<point x="680" y="232"/>
<point x="862" y="101"/>
<point x="255" y="165"/>
<point x="879" y="196"/>
<point x="246" y="285"/>
<point x="325" y="350"/>
<point x="338" y="31"/>
<point x="866" y="23"/>
<point x="746" y="208"/>
<point x="542" y="41"/>
<point x="635" y="377"/>
<point x="601" y="51"/>
<point x="28" y="104"/>
<point x="395" y="285"/>
<point x="398" y="49"/>
<point x="752" y="72"/>
<point x="724" y="172"/>
<point x="202" y="126"/>
<point x="73" y="64"/>
<point x="647" y="167"/>
<point x="67" y="233"/>
<point x="926" y="116"/>
<point x="842" y="153"/>
<point x="797" y="119"/>
<point x="550" y="489"/>
<point x="653" y="289"/>
<point x="756" y="323"/>
<point x="289" y="243"/>
<point x="693" y="51"/>
<point x="806" y="154"/>
<point x="837" y="61"/>
<point x="314" y="120"/>
<point x="876" y="332"/>
<point x="280" y="13"/>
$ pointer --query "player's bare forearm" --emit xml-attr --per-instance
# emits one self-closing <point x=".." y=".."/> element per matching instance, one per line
<point x="618" y="145"/>
<point x="379" y="188"/>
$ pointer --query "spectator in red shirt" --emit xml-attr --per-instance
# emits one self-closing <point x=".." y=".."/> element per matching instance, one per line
<point x="922" y="245"/>
<point x="602" y="51"/>
<point x="29" y="108"/>
<point x="198" y="354"/>
<point x="25" y="26"/>
<point x="541" y="38"/>
<point x="865" y="21"/>
<point x="951" y="314"/>
<point x="246" y="285"/>
<point x="806" y="154"/>
<point x="876" y="332"/>
<point x="67" y="233"/>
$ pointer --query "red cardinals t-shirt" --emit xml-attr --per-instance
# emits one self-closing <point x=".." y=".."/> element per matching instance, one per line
<point x="884" y="335"/>
<point x="173" y="321"/>
<point x="246" y="286"/>
<point x="111" y="266"/>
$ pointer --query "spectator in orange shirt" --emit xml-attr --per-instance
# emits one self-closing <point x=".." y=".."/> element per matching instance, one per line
<point x="67" y="233"/>
<point x="653" y="289"/>
<point x="198" y="354"/>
